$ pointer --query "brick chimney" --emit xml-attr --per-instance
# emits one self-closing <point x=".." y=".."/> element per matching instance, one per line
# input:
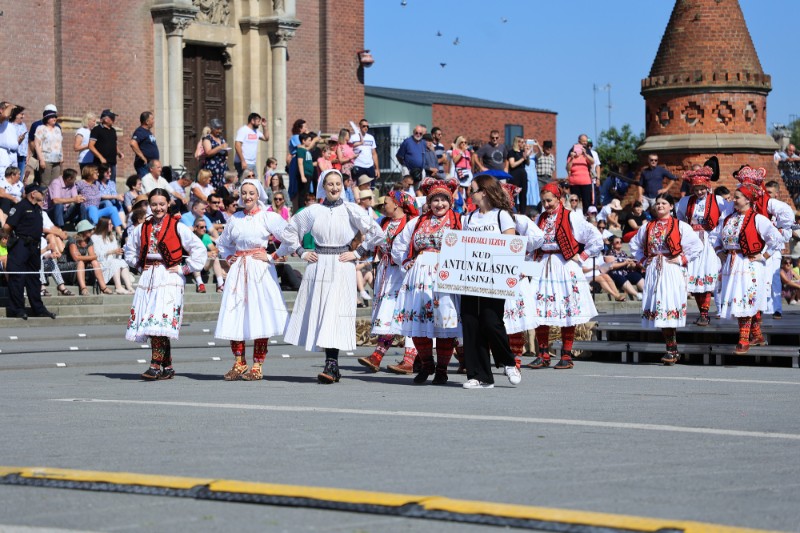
<point x="706" y="93"/>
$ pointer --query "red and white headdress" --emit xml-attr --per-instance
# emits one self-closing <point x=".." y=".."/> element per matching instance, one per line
<point x="511" y="190"/>
<point x="704" y="175"/>
<point x="753" y="176"/>
<point x="430" y="187"/>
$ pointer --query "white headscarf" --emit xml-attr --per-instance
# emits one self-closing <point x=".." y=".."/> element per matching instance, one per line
<point x="262" y="195"/>
<point x="320" y="189"/>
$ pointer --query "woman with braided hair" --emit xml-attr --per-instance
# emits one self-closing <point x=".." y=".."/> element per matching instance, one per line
<point x="563" y="295"/>
<point x="399" y="209"/>
<point x="665" y="246"/>
<point x="252" y="306"/>
<point x="420" y="312"/>
<point x="745" y="244"/>
<point x="159" y="248"/>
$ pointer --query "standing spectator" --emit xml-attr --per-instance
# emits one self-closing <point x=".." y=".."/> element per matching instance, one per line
<point x="32" y="139"/>
<point x="246" y="143"/>
<point x="82" y="137"/>
<point x="9" y="139"/>
<point x="438" y="150"/>
<point x="62" y="199"/>
<point x="651" y="181"/>
<point x="17" y="118"/>
<point x="299" y="127"/>
<point x="430" y="164"/>
<point x="305" y="168"/>
<point x="412" y="153"/>
<point x="579" y="170"/>
<point x="366" y="150"/>
<point x="545" y="162"/>
<point x="153" y="179"/>
<point x="462" y="161"/>
<point x="103" y="142"/>
<point x="143" y="143"/>
<point x="216" y="150"/>
<point x="493" y="155"/>
<point x="199" y="151"/>
<point x="49" y="149"/>
<point x="345" y="155"/>
<point x="597" y="167"/>
<point x="25" y="255"/>
<point x="518" y="159"/>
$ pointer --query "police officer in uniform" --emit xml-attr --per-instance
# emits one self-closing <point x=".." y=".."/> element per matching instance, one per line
<point x="24" y="224"/>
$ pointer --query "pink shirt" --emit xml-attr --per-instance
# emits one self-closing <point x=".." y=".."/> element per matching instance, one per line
<point x="57" y="189"/>
<point x="579" y="175"/>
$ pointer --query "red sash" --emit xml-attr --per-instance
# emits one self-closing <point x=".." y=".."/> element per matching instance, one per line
<point x="673" y="237"/>
<point x="711" y="215"/>
<point x="169" y="242"/>
<point x="565" y="237"/>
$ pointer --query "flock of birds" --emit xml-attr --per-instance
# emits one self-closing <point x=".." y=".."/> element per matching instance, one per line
<point x="456" y="41"/>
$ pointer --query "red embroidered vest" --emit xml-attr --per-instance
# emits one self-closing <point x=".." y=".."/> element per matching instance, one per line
<point x="385" y="224"/>
<point x="672" y="239"/>
<point x="750" y="241"/>
<point x="169" y="242"/>
<point x="565" y="237"/>
<point x="711" y="215"/>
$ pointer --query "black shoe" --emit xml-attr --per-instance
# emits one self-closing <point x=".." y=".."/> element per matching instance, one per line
<point x="539" y="362"/>
<point x="151" y="374"/>
<point x="777" y="315"/>
<point x="702" y="321"/>
<point x="564" y="364"/>
<point x="45" y="314"/>
<point x="167" y="373"/>
<point x="330" y="374"/>
<point x="23" y="315"/>
<point x="440" y="377"/>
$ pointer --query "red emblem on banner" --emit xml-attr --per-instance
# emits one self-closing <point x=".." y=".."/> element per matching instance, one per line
<point x="512" y="282"/>
<point x="516" y="245"/>
<point x="444" y="274"/>
<point x="451" y="239"/>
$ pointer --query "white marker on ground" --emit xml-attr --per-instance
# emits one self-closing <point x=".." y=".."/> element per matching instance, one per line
<point x="212" y="343"/>
<point x="141" y="360"/>
<point x="81" y="334"/>
<point x="284" y="355"/>
<point x="61" y="364"/>
<point x="206" y="330"/>
<point x="13" y="337"/>
<point x="73" y="348"/>
<point x="144" y="346"/>
<point x="216" y="359"/>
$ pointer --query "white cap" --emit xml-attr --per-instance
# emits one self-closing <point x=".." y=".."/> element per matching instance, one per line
<point x="592" y="209"/>
<point x="51" y="107"/>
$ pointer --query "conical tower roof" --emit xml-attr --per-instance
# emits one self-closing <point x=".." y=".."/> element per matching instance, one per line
<point x="706" y="44"/>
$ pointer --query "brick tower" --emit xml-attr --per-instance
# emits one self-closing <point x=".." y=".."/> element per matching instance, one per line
<point x="707" y="93"/>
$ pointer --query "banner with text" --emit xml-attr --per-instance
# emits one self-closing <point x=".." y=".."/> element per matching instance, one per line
<point x="480" y="264"/>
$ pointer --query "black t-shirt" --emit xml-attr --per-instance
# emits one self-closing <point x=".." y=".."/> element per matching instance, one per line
<point x="518" y="174"/>
<point x="106" y="143"/>
<point x="216" y="217"/>
<point x="147" y="145"/>
<point x="640" y="219"/>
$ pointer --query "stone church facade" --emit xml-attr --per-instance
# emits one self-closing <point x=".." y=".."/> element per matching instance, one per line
<point x="188" y="61"/>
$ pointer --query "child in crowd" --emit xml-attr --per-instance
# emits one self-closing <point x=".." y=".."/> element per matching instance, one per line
<point x="134" y="184"/>
<point x="270" y="169"/>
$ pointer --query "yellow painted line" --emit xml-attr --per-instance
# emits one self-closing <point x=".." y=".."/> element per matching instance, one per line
<point x="431" y="503"/>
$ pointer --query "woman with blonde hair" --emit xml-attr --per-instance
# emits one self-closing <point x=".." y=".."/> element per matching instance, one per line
<point x="81" y="145"/>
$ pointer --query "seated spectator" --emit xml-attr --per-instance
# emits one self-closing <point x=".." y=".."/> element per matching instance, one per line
<point x="279" y="206"/>
<point x="82" y="258"/>
<point x="623" y="270"/>
<point x="134" y="184"/>
<point x="49" y="267"/>
<point x="137" y="217"/>
<point x="201" y="188"/>
<point x="214" y="210"/>
<point x="574" y="202"/>
<point x="591" y="215"/>
<point x="3" y="253"/>
<point x="90" y="191"/>
<point x="276" y="185"/>
<point x="365" y="200"/>
<point x="602" y="227"/>
<point x="231" y="185"/>
<point x="198" y="210"/>
<point x="55" y="236"/>
<point x="62" y="199"/>
<point x="230" y="204"/>
<point x="11" y="189"/>
<point x="594" y="273"/>
<point x="349" y="190"/>
<point x="177" y="189"/>
<point x="790" y="282"/>
<point x="109" y="253"/>
<point x="200" y="229"/>
<point x="270" y="169"/>
<point x="153" y="179"/>
<point x="108" y="192"/>
<point x="610" y="214"/>
<point x="632" y="221"/>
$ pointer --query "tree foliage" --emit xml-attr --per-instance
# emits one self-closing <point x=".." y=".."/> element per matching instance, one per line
<point x="616" y="146"/>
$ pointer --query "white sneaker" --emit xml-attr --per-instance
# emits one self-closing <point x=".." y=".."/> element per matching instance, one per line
<point x="365" y="295"/>
<point x="514" y="377"/>
<point x="475" y="384"/>
<point x="639" y="296"/>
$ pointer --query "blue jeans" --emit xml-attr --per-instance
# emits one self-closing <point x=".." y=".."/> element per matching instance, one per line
<point x="93" y="214"/>
<point x="62" y="213"/>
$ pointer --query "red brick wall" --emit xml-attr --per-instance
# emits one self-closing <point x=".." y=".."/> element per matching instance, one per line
<point x="322" y="78"/>
<point x="475" y="123"/>
<point x="711" y="112"/>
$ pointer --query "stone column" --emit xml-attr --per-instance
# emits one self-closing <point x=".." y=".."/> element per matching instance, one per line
<point x="279" y="34"/>
<point x="174" y="28"/>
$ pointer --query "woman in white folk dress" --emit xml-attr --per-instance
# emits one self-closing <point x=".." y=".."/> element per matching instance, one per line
<point x="165" y="251"/>
<point x="563" y="295"/>
<point x="420" y="312"/>
<point x="746" y="243"/>
<point x="252" y="306"/>
<point x="665" y="246"/>
<point x="400" y="207"/>
<point x="519" y="315"/>
<point x="324" y="314"/>
<point x="704" y="212"/>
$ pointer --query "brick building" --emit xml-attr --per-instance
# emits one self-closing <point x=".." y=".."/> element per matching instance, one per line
<point x="189" y="61"/>
<point x="393" y="113"/>
<point x="706" y="93"/>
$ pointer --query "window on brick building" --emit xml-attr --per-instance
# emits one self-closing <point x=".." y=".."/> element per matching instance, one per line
<point x="511" y="131"/>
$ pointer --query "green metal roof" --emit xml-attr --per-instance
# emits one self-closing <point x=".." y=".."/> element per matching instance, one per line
<point x="430" y="98"/>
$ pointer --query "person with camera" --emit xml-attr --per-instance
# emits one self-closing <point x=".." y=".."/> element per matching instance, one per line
<point x="24" y="224"/>
<point x="579" y="169"/>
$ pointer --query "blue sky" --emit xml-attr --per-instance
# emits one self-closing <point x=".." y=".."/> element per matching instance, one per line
<point x="550" y="53"/>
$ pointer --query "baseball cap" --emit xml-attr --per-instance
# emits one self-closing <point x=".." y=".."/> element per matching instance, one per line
<point x="592" y="209"/>
<point x="108" y="113"/>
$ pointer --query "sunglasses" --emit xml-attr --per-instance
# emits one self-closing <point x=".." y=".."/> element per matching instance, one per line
<point x="278" y="199"/>
<point x="495" y="138"/>
<point x="200" y="227"/>
<point x="475" y="191"/>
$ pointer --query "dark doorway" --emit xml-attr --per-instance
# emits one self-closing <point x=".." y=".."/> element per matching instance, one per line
<point x="203" y="96"/>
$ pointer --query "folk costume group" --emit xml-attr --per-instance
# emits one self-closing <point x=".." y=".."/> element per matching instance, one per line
<point x="709" y="238"/>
